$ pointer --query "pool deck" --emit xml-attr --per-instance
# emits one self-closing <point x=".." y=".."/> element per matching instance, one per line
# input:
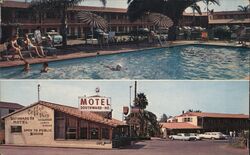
<point x="83" y="54"/>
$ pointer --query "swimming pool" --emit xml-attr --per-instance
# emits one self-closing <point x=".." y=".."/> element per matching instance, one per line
<point x="179" y="62"/>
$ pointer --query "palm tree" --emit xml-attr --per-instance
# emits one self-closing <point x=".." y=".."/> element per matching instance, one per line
<point x="171" y="8"/>
<point x="207" y="4"/>
<point x="60" y="7"/>
<point x="245" y="9"/>
<point x="149" y="124"/>
<point x="141" y="101"/>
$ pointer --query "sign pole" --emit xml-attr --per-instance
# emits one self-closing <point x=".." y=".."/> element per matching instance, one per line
<point x="38" y="92"/>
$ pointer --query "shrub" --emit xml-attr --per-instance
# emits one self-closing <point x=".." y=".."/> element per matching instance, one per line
<point x="222" y="32"/>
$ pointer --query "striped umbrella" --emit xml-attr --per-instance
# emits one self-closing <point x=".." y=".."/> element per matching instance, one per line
<point x="160" y="20"/>
<point x="92" y="20"/>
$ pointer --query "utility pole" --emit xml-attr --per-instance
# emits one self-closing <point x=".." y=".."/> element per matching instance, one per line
<point x="130" y="110"/>
<point x="135" y="89"/>
<point x="38" y="92"/>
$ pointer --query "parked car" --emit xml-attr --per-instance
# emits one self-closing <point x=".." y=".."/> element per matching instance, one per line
<point x="212" y="135"/>
<point x="181" y="136"/>
<point x="195" y="136"/>
<point x="56" y="37"/>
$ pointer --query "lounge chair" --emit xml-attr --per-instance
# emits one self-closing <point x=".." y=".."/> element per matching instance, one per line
<point x="6" y="54"/>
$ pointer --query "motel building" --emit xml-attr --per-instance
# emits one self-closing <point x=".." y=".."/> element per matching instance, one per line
<point x="199" y="122"/>
<point x="17" y="17"/>
<point x="49" y="124"/>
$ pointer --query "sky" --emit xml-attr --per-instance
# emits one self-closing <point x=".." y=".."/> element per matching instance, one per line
<point x="225" y="5"/>
<point x="169" y="97"/>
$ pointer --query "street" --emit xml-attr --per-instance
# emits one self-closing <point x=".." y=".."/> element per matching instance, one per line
<point x="153" y="147"/>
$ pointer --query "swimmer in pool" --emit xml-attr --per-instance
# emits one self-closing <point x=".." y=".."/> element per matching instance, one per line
<point x="26" y="66"/>
<point x="116" y="68"/>
<point x="45" y="68"/>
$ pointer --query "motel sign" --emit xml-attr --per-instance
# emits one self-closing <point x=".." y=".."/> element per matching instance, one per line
<point x="95" y="103"/>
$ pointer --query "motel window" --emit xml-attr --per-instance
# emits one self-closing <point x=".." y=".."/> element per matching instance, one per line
<point x="188" y="119"/>
<point x="1" y="124"/>
<point x="59" y="125"/>
<point x="16" y="129"/>
<point x="105" y="133"/>
<point x="121" y="29"/>
<point x="83" y="129"/>
<point x="79" y="31"/>
<point x="71" y="128"/>
<point x="83" y="133"/>
<point x="113" y="28"/>
<point x="22" y="14"/>
<point x="113" y="16"/>
<point x="51" y="15"/>
<point x="71" y="133"/>
<point x="94" y="133"/>
<point x="72" y="31"/>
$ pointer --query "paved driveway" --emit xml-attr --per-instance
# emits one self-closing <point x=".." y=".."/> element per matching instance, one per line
<point x="153" y="147"/>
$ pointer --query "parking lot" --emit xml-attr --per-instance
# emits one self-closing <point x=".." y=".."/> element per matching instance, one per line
<point x="153" y="147"/>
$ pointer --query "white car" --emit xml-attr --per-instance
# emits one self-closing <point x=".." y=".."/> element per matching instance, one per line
<point x="181" y="136"/>
<point x="195" y="136"/>
<point x="212" y="135"/>
<point x="56" y="37"/>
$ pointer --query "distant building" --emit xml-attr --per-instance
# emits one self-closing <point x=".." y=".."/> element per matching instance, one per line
<point x="5" y="109"/>
<point x="50" y="124"/>
<point x="229" y="18"/>
<point x="204" y="122"/>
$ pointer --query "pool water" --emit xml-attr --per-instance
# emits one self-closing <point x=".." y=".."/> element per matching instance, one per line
<point x="179" y="62"/>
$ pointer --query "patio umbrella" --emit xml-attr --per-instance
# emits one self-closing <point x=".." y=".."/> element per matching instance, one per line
<point x="92" y="20"/>
<point x="160" y="20"/>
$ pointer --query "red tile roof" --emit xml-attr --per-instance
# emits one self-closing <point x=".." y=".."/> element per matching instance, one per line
<point x="9" y="105"/>
<point x="14" y="4"/>
<point x="215" y="115"/>
<point x="99" y="9"/>
<point x="76" y="112"/>
<point x="229" y="21"/>
<point x="182" y="125"/>
<point x="196" y="14"/>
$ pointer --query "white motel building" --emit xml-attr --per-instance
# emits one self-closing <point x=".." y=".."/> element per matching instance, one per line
<point x="49" y="124"/>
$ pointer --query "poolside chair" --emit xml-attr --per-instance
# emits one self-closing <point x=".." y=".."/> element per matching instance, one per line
<point x="6" y="54"/>
<point x="3" y="51"/>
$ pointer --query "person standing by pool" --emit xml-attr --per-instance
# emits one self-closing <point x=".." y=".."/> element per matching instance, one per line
<point x="30" y="46"/>
<point x="38" y="36"/>
<point x="15" y="48"/>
